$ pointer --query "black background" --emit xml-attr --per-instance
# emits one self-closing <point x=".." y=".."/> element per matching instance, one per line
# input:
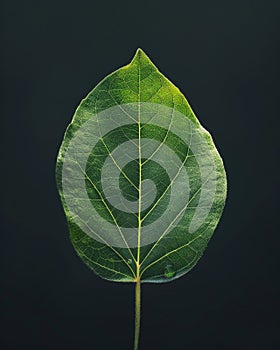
<point x="224" y="56"/>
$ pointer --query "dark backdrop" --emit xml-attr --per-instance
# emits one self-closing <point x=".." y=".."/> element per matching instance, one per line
<point x="224" y="56"/>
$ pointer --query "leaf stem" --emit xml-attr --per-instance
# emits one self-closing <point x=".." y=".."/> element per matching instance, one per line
<point x="137" y="313"/>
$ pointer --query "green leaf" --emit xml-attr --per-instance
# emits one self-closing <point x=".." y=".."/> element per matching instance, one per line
<point x="142" y="184"/>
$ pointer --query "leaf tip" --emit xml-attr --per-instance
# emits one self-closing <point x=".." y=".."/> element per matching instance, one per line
<point x="141" y="59"/>
<point x="139" y="53"/>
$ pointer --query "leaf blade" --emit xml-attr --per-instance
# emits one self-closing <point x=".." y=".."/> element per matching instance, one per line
<point x="138" y="83"/>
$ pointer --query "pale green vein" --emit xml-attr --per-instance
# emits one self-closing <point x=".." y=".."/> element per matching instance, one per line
<point x="171" y="182"/>
<point x="106" y="206"/>
<point x="179" y="270"/>
<point x="176" y="217"/>
<point x="140" y="178"/>
<point x="113" y="159"/>
<point x="104" y="267"/>
<point x="176" y="250"/>
<point x="105" y="242"/>
<point x="164" y="139"/>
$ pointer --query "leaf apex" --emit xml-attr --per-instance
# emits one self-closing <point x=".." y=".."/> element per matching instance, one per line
<point x="140" y="56"/>
<point x="139" y="52"/>
<point x="142" y="59"/>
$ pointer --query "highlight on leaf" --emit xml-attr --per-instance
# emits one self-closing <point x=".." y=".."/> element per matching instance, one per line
<point x="142" y="184"/>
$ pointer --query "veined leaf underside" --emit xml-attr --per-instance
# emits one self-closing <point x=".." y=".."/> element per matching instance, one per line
<point x="142" y="184"/>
